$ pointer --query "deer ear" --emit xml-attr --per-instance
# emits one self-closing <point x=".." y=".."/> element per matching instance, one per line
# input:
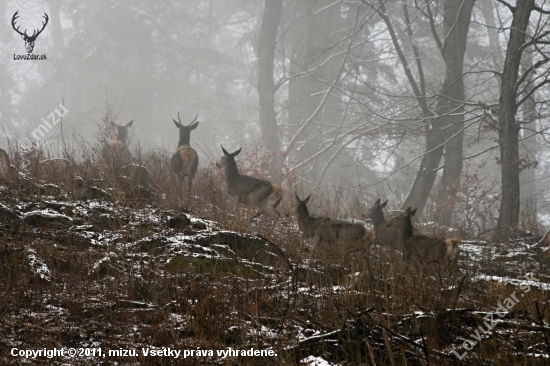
<point x="129" y="123"/>
<point x="194" y="125"/>
<point x="114" y="124"/>
<point x="176" y="123"/>
<point x="412" y="212"/>
<point x="297" y="198"/>
<point x="307" y="199"/>
<point x="237" y="152"/>
<point x="377" y="203"/>
<point x="384" y="204"/>
<point x="225" y="152"/>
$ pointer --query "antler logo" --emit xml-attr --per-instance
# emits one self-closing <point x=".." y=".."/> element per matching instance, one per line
<point x="29" y="40"/>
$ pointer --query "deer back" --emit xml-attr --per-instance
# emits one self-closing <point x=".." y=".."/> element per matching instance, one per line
<point x="425" y="249"/>
<point x="185" y="160"/>
<point x="345" y="233"/>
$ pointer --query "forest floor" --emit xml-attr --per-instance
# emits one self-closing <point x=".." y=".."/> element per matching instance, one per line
<point x="104" y="275"/>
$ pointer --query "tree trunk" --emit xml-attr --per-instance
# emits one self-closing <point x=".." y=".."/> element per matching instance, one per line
<point x="528" y="154"/>
<point x="508" y="127"/>
<point x="455" y="30"/>
<point x="266" y="86"/>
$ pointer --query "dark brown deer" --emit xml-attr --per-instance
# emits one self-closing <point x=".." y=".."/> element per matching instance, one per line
<point x="29" y="40"/>
<point x="333" y="235"/>
<point x="185" y="161"/>
<point x="308" y="224"/>
<point x="249" y="190"/>
<point x="116" y="152"/>
<point x="422" y="249"/>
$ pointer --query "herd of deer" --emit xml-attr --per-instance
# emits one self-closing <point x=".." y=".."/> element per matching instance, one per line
<point x="320" y="232"/>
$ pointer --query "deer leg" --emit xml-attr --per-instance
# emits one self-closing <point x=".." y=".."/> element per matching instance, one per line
<point x="189" y="185"/>
<point x="234" y="203"/>
<point x="274" y="214"/>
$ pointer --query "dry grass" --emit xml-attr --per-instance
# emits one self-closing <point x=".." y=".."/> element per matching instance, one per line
<point x="123" y="285"/>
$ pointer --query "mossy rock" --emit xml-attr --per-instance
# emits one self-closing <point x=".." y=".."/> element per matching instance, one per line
<point x="181" y="264"/>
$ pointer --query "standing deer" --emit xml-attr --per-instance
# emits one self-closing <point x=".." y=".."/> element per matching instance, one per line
<point x="249" y="190"/>
<point x="185" y="161"/>
<point x="307" y="223"/>
<point x="383" y="234"/>
<point x="330" y="233"/>
<point x="116" y="152"/>
<point x="422" y="249"/>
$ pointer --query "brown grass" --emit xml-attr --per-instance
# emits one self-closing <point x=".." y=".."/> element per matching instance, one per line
<point x="118" y="289"/>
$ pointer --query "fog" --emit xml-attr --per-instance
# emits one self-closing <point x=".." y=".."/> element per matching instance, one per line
<point x="356" y="88"/>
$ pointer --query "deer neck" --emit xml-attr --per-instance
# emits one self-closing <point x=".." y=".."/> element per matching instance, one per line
<point x="302" y="212"/>
<point x="407" y="228"/>
<point x="378" y="219"/>
<point x="121" y="138"/>
<point x="185" y="139"/>
<point x="231" y="171"/>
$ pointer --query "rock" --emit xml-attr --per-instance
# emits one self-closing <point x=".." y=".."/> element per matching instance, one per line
<point x="50" y="190"/>
<point x="137" y="181"/>
<point x="180" y="221"/>
<point x="60" y="168"/>
<point x="89" y="193"/>
<point x="6" y="214"/>
<point x="84" y="191"/>
<point x="4" y="165"/>
<point x="48" y="220"/>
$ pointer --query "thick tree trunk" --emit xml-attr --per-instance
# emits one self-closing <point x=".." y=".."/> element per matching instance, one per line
<point x="508" y="127"/>
<point x="266" y="86"/>
<point x="456" y="31"/>
<point x="456" y="25"/>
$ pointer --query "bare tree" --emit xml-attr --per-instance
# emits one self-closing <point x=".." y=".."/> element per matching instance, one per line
<point x="444" y="128"/>
<point x="266" y="86"/>
<point x="509" y="126"/>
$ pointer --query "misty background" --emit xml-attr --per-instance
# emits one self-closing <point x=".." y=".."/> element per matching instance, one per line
<point x="339" y="95"/>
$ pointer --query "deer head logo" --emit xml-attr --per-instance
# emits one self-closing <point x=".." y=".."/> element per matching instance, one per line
<point x="29" y="40"/>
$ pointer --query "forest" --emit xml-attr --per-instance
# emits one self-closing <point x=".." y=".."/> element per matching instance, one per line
<point x="317" y="182"/>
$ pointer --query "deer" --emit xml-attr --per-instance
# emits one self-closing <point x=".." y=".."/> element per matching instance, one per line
<point x="116" y="151"/>
<point x="308" y="224"/>
<point x="383" y="234"/>
<point x="185" y="161"/>
<point x="249" y="190"/>
<point x="29" y="40"/>
<point x="423" y="249"/>
<point x="330" y="233"/>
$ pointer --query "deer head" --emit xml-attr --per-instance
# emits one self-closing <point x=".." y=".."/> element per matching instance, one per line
<point x="228" y="158"/>
<point x="185" y="131"/>
<point x="29" y="40"/>
<point x="122" y="131"/>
